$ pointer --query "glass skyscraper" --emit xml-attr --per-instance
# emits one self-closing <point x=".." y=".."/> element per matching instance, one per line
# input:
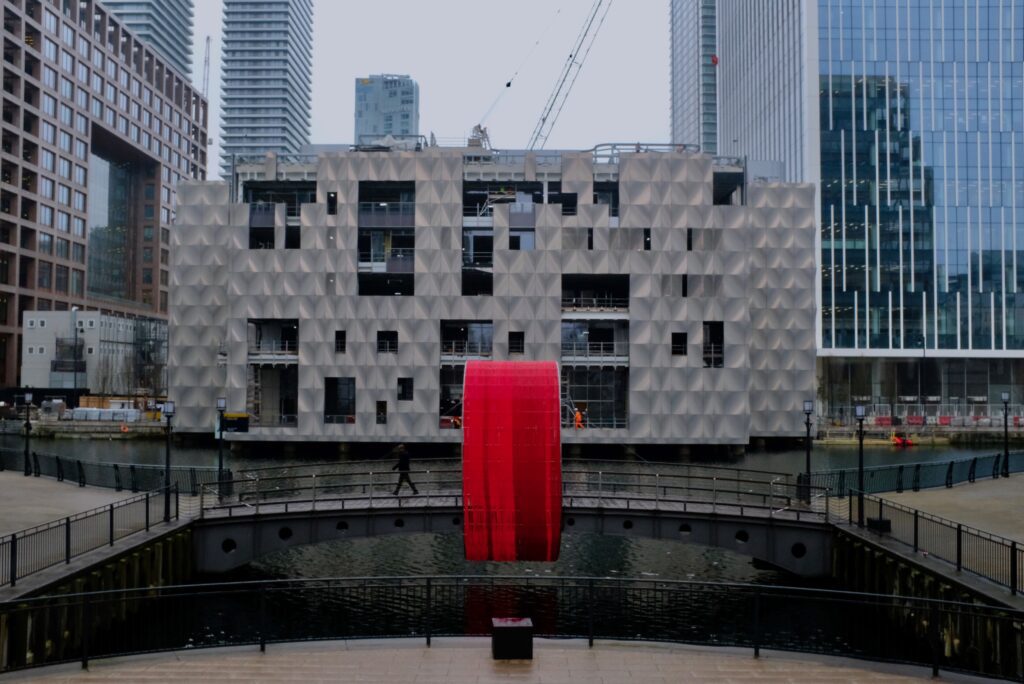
<point x="386" y="104"/>
<point x="166" y="25"/>
<point x="694" y="92"/>
<point x="267" y="78"/>
<point x="915" y="135"/>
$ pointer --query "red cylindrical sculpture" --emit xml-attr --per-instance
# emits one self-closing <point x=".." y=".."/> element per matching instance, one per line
<point x="511" y="461"/>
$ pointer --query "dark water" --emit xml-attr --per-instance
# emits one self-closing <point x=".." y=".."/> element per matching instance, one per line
<point x="152" y="452"/>
<point x="441" y="554"/>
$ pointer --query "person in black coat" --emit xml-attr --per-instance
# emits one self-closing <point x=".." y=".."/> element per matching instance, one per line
<point x="403" y="469"/>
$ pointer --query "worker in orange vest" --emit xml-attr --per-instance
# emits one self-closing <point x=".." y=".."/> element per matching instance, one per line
<point x="579" y="419"/>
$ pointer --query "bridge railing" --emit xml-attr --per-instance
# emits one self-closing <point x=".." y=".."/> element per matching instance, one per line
<point x="990" y="556"/>
<point x="43" y="546"/>
<point x="83" y="627"/>
<point x="916" y="476"/>
<point x="118" y="476"/>
<point x="582" y="487"/>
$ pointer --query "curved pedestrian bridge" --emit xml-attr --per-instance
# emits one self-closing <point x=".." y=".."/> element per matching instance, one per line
<point x="757" y="514"/>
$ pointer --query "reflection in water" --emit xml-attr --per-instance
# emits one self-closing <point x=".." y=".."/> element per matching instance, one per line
<point x="152" y="452"/>
<point x="582" y="555"/>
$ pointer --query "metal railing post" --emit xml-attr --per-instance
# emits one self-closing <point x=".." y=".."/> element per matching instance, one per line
<point x="849" y="498"/>
<point x="257" y="495"/>
<point x="915" y="529"/>
<point x="959" y="546"/>
<point x="177" y="502"/>
<point x="757" y="623"/>
<point x="1013" y="568"/>
<point x="110" y="525"/>
<point x="657" y="490"/>
<point x="426" y="617"/>
<point x="147" y="511"/>
<point x="600" y="488"/>
<point x="314" y="493"/>
<point x="14" y="558"/>
<point x="371" y="489"/>
<point x="67" y="540"/>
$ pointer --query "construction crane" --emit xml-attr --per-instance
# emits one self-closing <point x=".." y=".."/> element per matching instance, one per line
<point x="206" y="69"/>
<point x="572" y="68"/>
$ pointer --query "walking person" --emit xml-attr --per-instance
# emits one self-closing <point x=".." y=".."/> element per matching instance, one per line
<point x="403" y="469"/>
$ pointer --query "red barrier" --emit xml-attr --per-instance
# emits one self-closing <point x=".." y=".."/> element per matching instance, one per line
<point x="945" y="420"/>
<point x="511" y="461"/>
<point x="915" y="420"/>
<point x="883" y="420"/>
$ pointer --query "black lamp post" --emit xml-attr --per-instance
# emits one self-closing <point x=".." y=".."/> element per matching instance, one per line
<point x="222" y="405"/>
<point x="28" y="432"/>
<point x="74" y="352"/>
<point x="859" y="413"/>
<point x="169" y="413"/>
<point x="1006" y="434"/>
<point x="808" y="410"/>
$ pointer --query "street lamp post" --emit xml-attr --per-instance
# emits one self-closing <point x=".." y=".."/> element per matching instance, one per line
<point x="808" y="410"/>
<point x="860" y="464"/>
<point x="28" y="431"/>
<point x="169" y="413"/>
<point x="74" y="350"/>
<point x="222" y="405"/>
<point x="1006" y="434"/>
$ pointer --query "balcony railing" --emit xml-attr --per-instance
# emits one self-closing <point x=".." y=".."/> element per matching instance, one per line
<point x="274" y="420"/>
<point x="601" y="302"/>
<point x="463" y="348"/>
<point x="713" y="356"/>
<point x="282" y="347"/>
<point x="387" y="214"/>
<point x="339" y="418"/>
<point x="596" y="349"/>
<point x="401" y="260"/>
<point x="478" y="259"/>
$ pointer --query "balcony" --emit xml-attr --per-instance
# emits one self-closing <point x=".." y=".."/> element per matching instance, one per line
<point x="714" y="356"/>
<point x="387" y="214"/>
<point x="595" y="352"/>
<point x="595" y="303"/>
<point x="461" y="350"/>
<point x="477" y="259"/>
<point x="274" y="352"/>
<point x="267" y="419"/>
<point x="397" y="260"/>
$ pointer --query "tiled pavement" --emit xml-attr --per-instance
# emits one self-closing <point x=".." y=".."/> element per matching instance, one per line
<point x="468" y="661"/>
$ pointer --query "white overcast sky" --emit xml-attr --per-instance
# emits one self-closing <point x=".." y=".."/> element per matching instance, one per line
<point x="461" y="52"/>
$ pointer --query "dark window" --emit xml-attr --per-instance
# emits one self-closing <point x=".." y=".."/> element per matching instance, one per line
<point x="382" y="413"/>
<point x="387" y="342"/>
<point x="332" y="203"/>
<point x="404" y="389"/>
<point x="678" y="344"/>
<point x="339" y="341"/>
<point x="714" y="338"/>
<point x="590" y="238"/>
<point x="516" y="342"/>
<point x="513" y="242"/>
<point x="689" y="239"/>
<point x="685" y="287"/>
<point x="647" y="239"/>
<point x="339" y="400"/>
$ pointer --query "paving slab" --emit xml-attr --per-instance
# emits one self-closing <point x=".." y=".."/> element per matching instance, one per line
<point x="30" y="501"/>
<point x="991" y="505"/>
<point x="468" y="661"/>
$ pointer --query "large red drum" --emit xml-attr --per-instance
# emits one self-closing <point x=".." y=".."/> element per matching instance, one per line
<point x="511" y="461"/>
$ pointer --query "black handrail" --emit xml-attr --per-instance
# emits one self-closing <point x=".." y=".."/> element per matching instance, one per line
<point x="30" y="550"/>
<point x="987" y="555"/>
<point x="909" y="630"/>
<point x="918" y="475"/>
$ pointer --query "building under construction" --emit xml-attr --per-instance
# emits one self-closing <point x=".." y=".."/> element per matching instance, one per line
<point x="340" y="296"/>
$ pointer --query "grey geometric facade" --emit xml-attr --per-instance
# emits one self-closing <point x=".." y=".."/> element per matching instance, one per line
<point x="677" y="296"/>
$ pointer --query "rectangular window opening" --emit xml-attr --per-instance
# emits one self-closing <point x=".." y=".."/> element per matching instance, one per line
<point x="387" y="342"/>
<point x="516" y="342"/>
<point x="332" y="204"/>
<point x="339" y="341"/>
<point x="678" y="344"/>
<point x="405" y="389"/>
<point x="382" y="413"/>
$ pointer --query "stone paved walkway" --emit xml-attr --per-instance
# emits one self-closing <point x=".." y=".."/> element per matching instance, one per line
<point x="30" y="501"/>
<point x="468" y="661"/>
<point x="995" y="506"/>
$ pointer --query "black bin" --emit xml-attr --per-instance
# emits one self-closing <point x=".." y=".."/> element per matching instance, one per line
<point x="512" y="638"/>
<point x="881" y="525"/>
